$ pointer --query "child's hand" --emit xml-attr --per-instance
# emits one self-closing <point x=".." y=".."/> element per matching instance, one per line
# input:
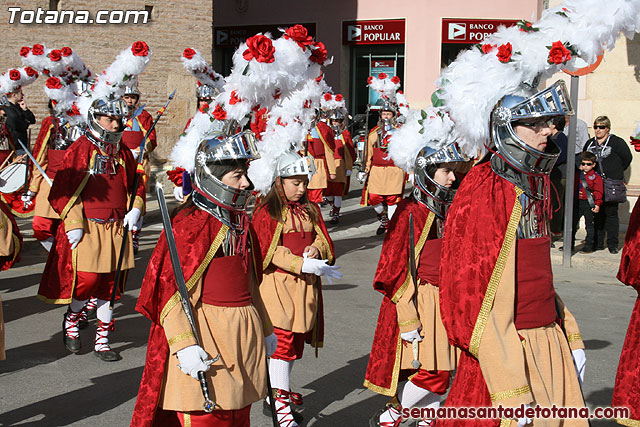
<point x="312" y="252"/>
<point x="596" y="209"/>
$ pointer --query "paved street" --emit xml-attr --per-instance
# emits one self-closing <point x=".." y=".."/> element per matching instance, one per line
<point x="41" y="384"/>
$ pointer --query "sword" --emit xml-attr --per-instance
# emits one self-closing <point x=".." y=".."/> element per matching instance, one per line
<point x="136" y="179"/>
<point x="415" y="364"/>
<point x="44" y="174"/>
<point x="208" y="405"/>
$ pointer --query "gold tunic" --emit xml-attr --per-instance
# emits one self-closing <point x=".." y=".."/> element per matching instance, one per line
<point x="383" y="180"/>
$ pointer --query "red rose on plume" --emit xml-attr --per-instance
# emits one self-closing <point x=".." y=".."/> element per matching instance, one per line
<point x="339" y="97"/>
<point x="505" y="52"/>
<point x="204" y="108"/>
<point x="234" y="98"/>
<point x="370" y="80"/>
<point x="318" y="53"/>
<point x="66" y="51"/>
<point x="558" y="53"/>
<point x="395" y="80"/>
<point x="219" y="113"/>
<point x="319" y="78"/>
<point x="24" y="51"/>
<point x="299" y="34"/>
<point x="486" y="48"/>
<point x="14" y="75"/>
<point x="259" y="48"/>
<point x="53" y="83"/>
<point x="45" y="71"/>
<point x="307" y="104"/>
<point x="37" y="49"/>
<point x="140" y="48"/>
<point x="188" y="53"/>
<point x="382" y="76"/>
<point x="327" y="97"/>
<point x="259" y="123"/>
<point x="74" y="110"/>
<point x="55" y="55"/>
<point x="280" y="122"/>
<point x="31" y="72"/>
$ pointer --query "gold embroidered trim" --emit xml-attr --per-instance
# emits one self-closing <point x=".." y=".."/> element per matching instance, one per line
<point x="325" y="243"/>
<point x="496" y="275"/>
<point x="43" y="147"/>
<point x="275" y="240"/>
<point x="175" y="299"/>
<point x="391" y="391"/>
<point x="3" y="222"/>
<point x="502" y="395"/>
<point x="74" y="221"/>
<point x="505" y="422"/>
<point x="294" y="264"/>
<point x="17" y="246"/>
<point x="187" y="419"/>
<point x="574" y="337"/>
<point x="421" y="241"/>
<point x="409" y="322"/>
<point x="628" y="422"/>
<point x="180" y="337"/>
<point x="73" y="199"/>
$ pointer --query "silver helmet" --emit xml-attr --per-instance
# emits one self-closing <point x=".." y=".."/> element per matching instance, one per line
<point x="293" y="164"/>
<point x="514" y="157"/>
<point x="427" y="190"/>
<point x="105" y="107"/>
<point x="132" y="88"/>
<point x="338" y="115"/>
<point x="208" y="187"/>
<point x="206" y="91"/>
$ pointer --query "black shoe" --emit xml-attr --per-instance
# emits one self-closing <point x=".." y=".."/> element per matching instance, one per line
<point x="72" y="344"/>
<point x="107" y="355"/>
<point x="613" y="250"/>
<point x="381" y="230"/>
<point x="334" y="220"/>
<point x="587" y="250"/>
<point x="266" y="410"/>
<point x="599" y="248"/>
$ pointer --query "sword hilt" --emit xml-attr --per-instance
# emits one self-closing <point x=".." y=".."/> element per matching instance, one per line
<point x="209" y="405"/>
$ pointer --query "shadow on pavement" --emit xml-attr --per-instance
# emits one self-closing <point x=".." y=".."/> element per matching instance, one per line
<point x="346" y="246"/>
<point x="596" y="344"/>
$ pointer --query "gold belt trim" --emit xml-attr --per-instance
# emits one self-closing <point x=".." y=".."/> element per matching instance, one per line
<point x="180" y="337"/>
<point x="502" y="395"/>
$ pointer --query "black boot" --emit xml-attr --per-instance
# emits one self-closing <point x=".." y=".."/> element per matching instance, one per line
<point x="384" y="221"/>
<point x="102" y="348"/>
<point x="335" y="215"/>
<point x="70" y="331"/>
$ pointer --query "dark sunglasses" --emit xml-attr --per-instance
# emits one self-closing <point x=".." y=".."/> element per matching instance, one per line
<point x="600" y="127"/>
<point x="586" y="163"/>
<point x="534" y="123"/>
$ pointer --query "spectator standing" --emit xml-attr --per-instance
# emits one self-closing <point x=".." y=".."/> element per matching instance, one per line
<point x="613" y="158"/>
<point x="557" y="173"/>
<point x="589" y="199"/>
<point x="19" y="117"/>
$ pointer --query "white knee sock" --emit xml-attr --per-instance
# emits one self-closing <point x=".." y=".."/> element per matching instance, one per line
<point x="390" y="210"/>
<point x="104" y="313"/>
<point x="379" y="208"/>
<point x="337" y="201"/>
<point x="390" y="415"/>
<point x="412" y="394"/>
<point x="280" y="371"/>
<point x="77" y="305"/>
<point x="47" y="243"/>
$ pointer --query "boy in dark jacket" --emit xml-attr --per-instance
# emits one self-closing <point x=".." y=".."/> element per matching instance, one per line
<point x="589" y="199"/>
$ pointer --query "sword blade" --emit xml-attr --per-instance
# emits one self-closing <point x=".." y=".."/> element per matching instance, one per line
<point x="44" y="174"/>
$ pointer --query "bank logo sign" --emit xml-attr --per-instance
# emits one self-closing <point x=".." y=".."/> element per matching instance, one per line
<point x="457" y="31"/>
<point x="355" y="33"/>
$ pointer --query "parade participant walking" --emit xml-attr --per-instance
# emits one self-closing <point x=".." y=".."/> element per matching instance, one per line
<point x="410" y="338"/>
<point x="625" y="392"/>
<point x="384" y="181"/>
<point x="321" y="146"/>
<point x="10" y="247"/>
<point x="91" y="193"/>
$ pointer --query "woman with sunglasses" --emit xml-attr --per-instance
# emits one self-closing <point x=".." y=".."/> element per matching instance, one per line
<point x="614" y="157"/>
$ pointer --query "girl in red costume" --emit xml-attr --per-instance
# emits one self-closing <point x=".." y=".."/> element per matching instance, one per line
<point x="296" y="249"/>
<point x="222" y="270"/>
<point x="410" y="338"/>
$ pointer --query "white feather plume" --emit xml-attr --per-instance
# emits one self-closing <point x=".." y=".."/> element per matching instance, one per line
<point x="201" y="70"/>
<point x="9" y="84"/>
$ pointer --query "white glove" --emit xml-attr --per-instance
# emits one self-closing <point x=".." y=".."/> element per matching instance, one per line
<point x="177" y="194"/>
<point x="362" y="176"/>
<point x="580" y="360"/>
<point x="411" y="335"/>
<point x="524" y="421"/>
<point x="74" y="237"/>
<point x="271" y="343"/>
<point x="411" y="178"/>
<point x="348" y="172"/>
<point x="193" y="360"/>
<point x="131" y="219"/>
<point x="27" y="199"/>
<point x="319" y="267"/>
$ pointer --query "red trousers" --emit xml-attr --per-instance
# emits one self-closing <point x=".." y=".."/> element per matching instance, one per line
<point x="376" y="199"/>
<point x="315" y="195"/>
<point x="96" y="285"/>
<point x="43" y="228"/>
<point x="217" y="418"/>
<point x="290" y="345"/>
<point x="434" y="381"/>
<point x="334" y="189"/>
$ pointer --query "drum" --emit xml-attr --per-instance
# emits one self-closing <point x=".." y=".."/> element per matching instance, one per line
<point x="12" y="178"/>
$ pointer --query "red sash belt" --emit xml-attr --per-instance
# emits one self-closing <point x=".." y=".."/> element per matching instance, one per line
<point x="226" y="283"/>
<point x="429" y="266"/>
<point x="104" y="197"/>
<point x="132" y="138"/>
<point x="379" y="158"/>
<point x="54" y="161"/>
<point x="296" y="242"/>
<point x="535" y="295"/>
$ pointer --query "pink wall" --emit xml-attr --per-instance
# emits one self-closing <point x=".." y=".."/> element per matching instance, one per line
<point x="423" y="29"/>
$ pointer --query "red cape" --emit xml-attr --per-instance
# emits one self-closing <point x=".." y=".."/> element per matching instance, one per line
<point x="43" y="137"/>
<point x="392" y="279"/>
<point x="195" y="232"/>
<point x="474" y="234"/>
<point x="348" y="144"/>
<point x="626" y="392"/>
<point x="269" y="233"/>
<point x="7" y="261"/>
<point x="58" y="279"/>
